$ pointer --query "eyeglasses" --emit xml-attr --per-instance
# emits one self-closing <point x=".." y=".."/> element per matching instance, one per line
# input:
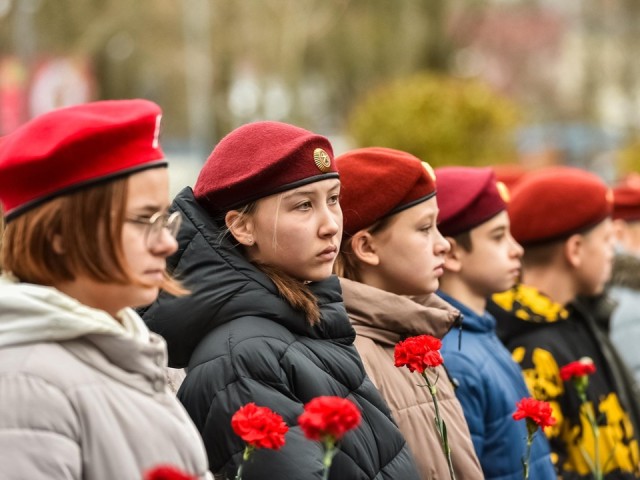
<point x="156" y="224"/>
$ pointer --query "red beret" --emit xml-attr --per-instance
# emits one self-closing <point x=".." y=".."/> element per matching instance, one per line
<point x="467" y="197"/>
<point x="509" y="174"/>
<point x="75" y="147"/>
<point x="259" y="159"/>
<point x="378" y="182"/>
<point x="626" y="200"/>
<point x="554" y="203"/>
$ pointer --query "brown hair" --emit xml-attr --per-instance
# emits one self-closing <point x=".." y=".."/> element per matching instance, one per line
<point x="464" y="240"/>
<point x="541" y="255"/>
<point x="347" y="264"/>
<point x="295" y="292"/>
<point x="89" y="223"/>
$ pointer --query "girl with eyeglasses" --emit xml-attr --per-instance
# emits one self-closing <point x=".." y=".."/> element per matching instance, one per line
<point x="265" y="322"/>
<point x="83" y="393"/>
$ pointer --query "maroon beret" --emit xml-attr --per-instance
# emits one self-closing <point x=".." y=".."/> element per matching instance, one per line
<point x="626" y="200"/>
<point x="75" y="147"/>
<point x="378" y="182"/>
<point x="259" y="159"/>
<point x="554" y="203"/>
<point x="467" y="197"/>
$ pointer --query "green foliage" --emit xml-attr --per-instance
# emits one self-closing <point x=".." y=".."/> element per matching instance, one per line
<point x="628" y="158"/>
<point x="441" y="120"/>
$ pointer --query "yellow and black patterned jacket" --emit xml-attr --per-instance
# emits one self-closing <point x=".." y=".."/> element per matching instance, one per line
<point x="543" y="336"/>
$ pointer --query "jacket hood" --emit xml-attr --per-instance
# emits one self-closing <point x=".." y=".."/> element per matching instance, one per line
<point x="34" y="313"/>
<point x="625" y="271"/>
<point x="225" y="286"/>
<point x="388" y="318"/>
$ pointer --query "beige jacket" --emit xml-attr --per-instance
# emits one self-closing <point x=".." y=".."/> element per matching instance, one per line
<point x="381" y="319"/>
<point x="82" y="396"/>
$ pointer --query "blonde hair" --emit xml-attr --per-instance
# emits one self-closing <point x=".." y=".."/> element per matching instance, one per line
<point x="89" y="223"/>
<point x="296" y="293"/>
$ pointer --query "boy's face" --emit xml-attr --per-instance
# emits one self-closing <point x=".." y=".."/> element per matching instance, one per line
<point x="596" y="253"/>
<point x="493" y="264"/>
<point x="411" y="251"/>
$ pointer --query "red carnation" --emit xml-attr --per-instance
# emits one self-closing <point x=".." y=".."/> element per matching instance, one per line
<point x="259" y="427"/>
<point x="535" y="410"/>
<point x="331" y="417"/>
<point x="418" y="353"/>
<point x="167" y="472"/>
<point x="580" y="368"/>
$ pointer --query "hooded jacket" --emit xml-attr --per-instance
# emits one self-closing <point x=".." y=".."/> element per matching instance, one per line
<point x="544" y="336"/>
<point x="490" y="384"/>
<point x="624" y="288"/>
<point x="382" y="319"/>
<point x="82" y="396"/>
<point x="242" y="342"/>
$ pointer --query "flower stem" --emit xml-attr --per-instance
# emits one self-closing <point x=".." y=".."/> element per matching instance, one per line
<point x="245" y="456"/>
<point x="440" y="426"/>
<point x="330" y="451"/>
<point x="525" y="462"/>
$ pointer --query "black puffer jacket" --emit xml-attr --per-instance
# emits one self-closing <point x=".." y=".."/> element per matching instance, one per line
<point x="243" y="343"/>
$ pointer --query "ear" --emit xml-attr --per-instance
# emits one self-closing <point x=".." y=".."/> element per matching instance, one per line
<point x="56" y="243"/>
<point x="364" y="247"/>
<point x="572" y="250"/>
<point x="241" y="227"/>
<point x="452" y="259"/>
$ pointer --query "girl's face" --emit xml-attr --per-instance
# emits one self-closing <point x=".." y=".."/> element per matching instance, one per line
<point x="148" y="193"/>
<point x="409" y="252"/>
<point x="298" y="231"/>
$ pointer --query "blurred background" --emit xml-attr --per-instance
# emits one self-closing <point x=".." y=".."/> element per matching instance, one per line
<point x="519" y="83"/>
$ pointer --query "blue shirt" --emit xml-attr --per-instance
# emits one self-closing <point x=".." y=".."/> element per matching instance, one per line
<point x="489" y="384"/>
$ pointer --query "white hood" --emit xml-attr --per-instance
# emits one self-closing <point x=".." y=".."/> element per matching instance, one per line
<point x="34" y="313"/>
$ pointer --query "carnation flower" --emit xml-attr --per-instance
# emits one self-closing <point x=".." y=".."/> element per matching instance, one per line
<point x="538" y="414"/>
<point x="328" y="419"/>
<point x="167" y="472"/>
<point x="418" y="353"/>
<point x="537" y="411"/>
<point x="580" y="368"/>
<point x="259" y="427"/>
<point x="578" y="372"/>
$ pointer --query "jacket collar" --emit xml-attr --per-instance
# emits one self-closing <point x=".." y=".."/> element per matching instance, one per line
<point x="388" y="318"/>
<point x="472" y="321"/>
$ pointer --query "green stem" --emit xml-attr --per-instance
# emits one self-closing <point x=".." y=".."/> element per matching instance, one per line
<point x="245" y="457"/>
<point x="330" y="451"/>
<point x="440" y="426"/>
<point x="525" y="462"/>
<point x="597" y="467"/>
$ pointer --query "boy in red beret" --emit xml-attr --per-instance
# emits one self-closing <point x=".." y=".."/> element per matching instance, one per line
<point x="484" y="259"/>
<point x="562" y="217"/>
<point x="391" y="249"/>
<point x="624" y="286"/>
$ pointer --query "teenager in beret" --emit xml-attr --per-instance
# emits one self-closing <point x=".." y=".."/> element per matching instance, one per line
<point x="265" y="322"/>
<point x="484" y="259"/>
<point x="624" y="286"/>
<point x="83" y="395"/>
<point x="562" y="217"/>
<point x="391" y="249"/>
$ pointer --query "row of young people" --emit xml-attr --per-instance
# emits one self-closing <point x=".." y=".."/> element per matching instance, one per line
<point x="265" y="320"/>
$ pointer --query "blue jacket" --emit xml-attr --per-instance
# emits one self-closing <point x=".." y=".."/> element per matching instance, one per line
<point x="490" y="383"/>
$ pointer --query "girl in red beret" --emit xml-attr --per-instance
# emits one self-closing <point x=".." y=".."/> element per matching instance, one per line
<point x="392" y="248"/>
<point x="265" y="322"/>
<point x="84" y="192"/>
